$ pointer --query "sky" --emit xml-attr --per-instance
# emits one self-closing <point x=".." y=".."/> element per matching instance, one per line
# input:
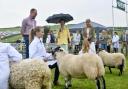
<point x="100" y="11"/>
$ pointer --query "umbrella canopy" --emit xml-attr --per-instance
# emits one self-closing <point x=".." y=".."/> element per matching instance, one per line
<point x="56" y="18"/>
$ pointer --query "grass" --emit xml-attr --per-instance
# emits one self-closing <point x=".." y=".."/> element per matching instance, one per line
<point x="113" y="81"/>
<point x="13" y="29"/>
<point x="12" y="39"/>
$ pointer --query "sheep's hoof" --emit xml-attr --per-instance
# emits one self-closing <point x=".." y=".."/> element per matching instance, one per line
<point x="66" y="87"/>
<point x="70" y="85"/>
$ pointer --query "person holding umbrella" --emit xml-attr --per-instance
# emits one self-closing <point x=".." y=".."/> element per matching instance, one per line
<point x="63" y="37"/>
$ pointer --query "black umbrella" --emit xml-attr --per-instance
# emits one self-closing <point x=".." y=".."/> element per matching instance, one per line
<point x="56" y="18"/>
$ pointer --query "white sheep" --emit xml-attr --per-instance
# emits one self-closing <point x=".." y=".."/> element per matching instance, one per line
<point x="30" y="74"/>
<point x="80" y="66"/>
<point x="113" y="60"/>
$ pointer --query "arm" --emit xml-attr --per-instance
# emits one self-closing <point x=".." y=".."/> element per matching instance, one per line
<point x="13" y="54"/>
<point x="23" y="26"/>
<point x="69" y="37"/>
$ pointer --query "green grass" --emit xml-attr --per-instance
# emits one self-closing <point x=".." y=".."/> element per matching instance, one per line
<point x="12" y="39"/>
<point x="113" y="81"/>
<point x="13" y="29"/>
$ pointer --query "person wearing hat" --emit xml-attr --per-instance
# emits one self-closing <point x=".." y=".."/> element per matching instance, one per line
<point x="63" y="38"/>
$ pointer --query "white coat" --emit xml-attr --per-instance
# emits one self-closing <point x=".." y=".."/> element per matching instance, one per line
<point x="77" y="38"/>
<point x="115" y="41"/>
<point x="7" y="54"/>
<point x="48" y="40"/>
<point x="38" y="51"/>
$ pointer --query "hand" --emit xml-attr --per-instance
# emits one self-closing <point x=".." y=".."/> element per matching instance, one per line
<point x="45" y="60"/>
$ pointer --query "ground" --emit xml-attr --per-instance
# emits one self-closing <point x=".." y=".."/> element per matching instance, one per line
<point x="113" y="81"/>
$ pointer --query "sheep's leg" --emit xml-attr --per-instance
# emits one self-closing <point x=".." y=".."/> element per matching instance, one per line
<point x="66" y="83"/>
<point x="103" y="82"/>
<point x="121" y="68"/>
<point x="110" y="70"/>
<point x="97" y="83"/>
<point x="69" y="82"/>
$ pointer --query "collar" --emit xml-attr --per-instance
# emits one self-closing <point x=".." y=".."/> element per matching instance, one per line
<point x="30" y="17"/>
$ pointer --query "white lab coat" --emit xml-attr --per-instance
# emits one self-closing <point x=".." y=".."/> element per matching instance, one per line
<point x="77" y="38"/>
<point x="48" y="40"/>
<point x="115" y="41"/>
<point x="7" y="54"/>
<point x="38" y="51"/>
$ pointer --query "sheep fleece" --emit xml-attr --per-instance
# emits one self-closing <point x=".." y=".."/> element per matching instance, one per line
<point x="88" y="65"/>
<point x="112" y="59"/>
<point x="30" y="74"/>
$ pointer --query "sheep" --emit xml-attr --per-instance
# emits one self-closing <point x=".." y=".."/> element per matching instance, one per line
<point x="113" y="60"/>
<point x="80" y="66"/>
<point x="30" y="74"/>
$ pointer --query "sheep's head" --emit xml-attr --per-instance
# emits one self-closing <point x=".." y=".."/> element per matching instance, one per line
<point x="58" y="50"/>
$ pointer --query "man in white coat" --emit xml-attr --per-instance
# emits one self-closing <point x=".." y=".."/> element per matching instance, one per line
<point x="7" y="54"/>
<point x="115" y="41"/>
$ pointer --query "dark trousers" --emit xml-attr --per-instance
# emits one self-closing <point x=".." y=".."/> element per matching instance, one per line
<point x="26" y="40"/>
<point x="56" y="74"/>
<point x="108" y="48"/>
<point x="115" y="50"/>
<point x="77" y="48"/>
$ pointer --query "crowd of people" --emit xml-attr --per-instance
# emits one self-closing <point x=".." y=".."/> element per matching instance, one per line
<point x="35" y="47"/>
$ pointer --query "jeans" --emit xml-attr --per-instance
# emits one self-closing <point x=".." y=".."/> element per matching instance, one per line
<point x="104" y="46"/>
<point x="56" y="74"/>
<point x="26" y="40"/>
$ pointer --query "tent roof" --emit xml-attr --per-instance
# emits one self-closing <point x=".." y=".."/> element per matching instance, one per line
<point x="82" y="25"/>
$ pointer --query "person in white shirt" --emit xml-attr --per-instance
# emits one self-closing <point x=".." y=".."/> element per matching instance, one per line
<point x="77" y="38"/>
<point x="38" y="51"/>
<point x="48" y="40"/>
<point x="115" y="41"/>
<point x="7" y="54"/>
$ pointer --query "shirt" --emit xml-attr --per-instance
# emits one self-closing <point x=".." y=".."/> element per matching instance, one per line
<point x="77" y="38"/>
<point x="88" y="32"/>
<point x="63" y="36"/>
<point x="115" y="41"/>
<point x="38" y="51"/>
<point x="27" y="25"/>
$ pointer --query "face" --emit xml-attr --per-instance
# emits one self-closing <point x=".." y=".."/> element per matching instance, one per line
<point x="34" y="14"/>
<point x="88" y="23"/>
<point x="62" y="23"/>
<point x="40" y="34"/>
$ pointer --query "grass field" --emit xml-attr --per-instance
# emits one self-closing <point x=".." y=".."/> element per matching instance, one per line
<point x="12" y="39"/>
<point x="113" y="81"/>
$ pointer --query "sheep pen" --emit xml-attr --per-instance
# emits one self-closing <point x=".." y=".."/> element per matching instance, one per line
<point x="81" y="66"/>
<point x="113" y="60"/>
<point x="30" y="74"/>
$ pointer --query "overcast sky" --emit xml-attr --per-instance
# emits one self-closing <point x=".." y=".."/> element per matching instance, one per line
<point x="13" y="11"/>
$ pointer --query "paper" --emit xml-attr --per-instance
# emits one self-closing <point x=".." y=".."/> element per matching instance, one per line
<point x="51" y="62"/>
